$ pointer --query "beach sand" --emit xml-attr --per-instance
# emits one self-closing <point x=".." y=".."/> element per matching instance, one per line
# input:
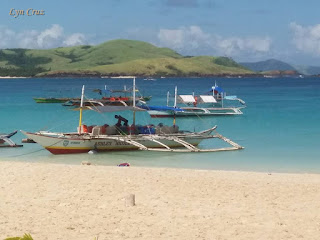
<point x="55" y="201"/>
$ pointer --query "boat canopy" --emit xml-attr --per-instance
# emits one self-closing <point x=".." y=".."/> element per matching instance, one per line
<point x="186" y="98"/>
<point x="162" y="108"/>
<point x="207" y="99"/>
<point x="103" y="109"/>
<point x="217" y="89"/>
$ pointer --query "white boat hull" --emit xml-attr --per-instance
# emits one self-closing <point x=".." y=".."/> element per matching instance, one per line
<point x="66" y="144"/>
<point x="194" y="111"/>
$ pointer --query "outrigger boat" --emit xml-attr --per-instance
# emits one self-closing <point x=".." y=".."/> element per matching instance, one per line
<point x="203" y="105"/>
<point x="120" y="100"/>
<point x="125" y="137"/>
<point x="5" y="140"/>
<point x="122" y="95"/>
<point x="54" y="100"/>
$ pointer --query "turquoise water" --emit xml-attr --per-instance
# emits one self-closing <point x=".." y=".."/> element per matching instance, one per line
<point x="279" y="129"/>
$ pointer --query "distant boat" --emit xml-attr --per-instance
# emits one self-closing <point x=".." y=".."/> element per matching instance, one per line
<point x="163" y="112"/>
<point x="150" y="79"/>
<point x="101" y="102"/>
<point x="117" y="97"/>
<point x="211" y="105"/>
<point x="54" y="100"/>
<point x="269" y="76"/>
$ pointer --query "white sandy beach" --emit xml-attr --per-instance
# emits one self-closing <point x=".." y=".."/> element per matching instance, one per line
<point x="52" y="201"/>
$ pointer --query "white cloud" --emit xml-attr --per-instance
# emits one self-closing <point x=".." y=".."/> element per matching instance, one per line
<point x="180" y="38"/>
<point x="49" y="38"/>
<point x="27" y="39"/>
<point x="6" y="36"/>
<point x="236" y="45"/>
<point x="306" y="39"/>
<point x="171" y="38"/>
<point x="193" y="39"/>
<point x="75" y="39"/>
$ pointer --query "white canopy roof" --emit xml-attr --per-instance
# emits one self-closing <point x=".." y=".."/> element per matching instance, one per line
<point x="186" y="98"/>
<point x="207" y="99"/>
<point x="103" y="109"/>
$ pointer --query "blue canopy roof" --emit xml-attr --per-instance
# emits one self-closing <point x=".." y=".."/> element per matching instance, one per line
<point x="217" y="89"/>
<point x="162" y="108"/>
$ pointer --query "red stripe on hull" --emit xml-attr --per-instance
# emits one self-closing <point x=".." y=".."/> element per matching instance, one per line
<point x="74" y="151"/>
<point x="67" y="151"/>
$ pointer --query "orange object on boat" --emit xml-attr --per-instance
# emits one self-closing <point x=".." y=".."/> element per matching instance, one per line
<point x="84" y="128"/>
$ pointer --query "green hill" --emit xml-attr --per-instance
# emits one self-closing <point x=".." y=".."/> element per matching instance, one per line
<point x="267" y="65"/>
<point x="192" y="66"/>
<point x="116" y="57"/>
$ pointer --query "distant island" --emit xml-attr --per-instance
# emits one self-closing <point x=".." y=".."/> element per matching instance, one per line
<point x="118" y="58"/>
<point x="274" y="67"/>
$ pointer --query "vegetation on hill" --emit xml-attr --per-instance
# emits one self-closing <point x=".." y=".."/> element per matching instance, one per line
<point x="227" y="62"/>
<point x="193" y="66"/>
<point x="281" y="73"/>
<point x="116" y="57"/>
<point x="15" y="62"/>
<point x="268" y="65"/>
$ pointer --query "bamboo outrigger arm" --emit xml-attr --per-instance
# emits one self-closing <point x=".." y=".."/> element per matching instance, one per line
<point x="165" y="148"/>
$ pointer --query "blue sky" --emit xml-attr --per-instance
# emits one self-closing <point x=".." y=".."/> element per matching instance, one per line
<point x="246" y="30"/>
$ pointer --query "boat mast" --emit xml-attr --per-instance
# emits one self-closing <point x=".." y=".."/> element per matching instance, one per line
<point x="175" y="105"/>
<point x="134" y="100"/>
<point x="175" y="96"/>
<point x="81" y="106"/>
<point x="168" y="94"/>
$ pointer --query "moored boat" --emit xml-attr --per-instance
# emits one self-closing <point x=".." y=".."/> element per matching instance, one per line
<point x="160" y="112"/>
<point x="122" y="136"/>
<point x="5" y="140"/>
<point x="115" y="140"/>
<point x="202" y="105"/>
<point x="54" y="100"/>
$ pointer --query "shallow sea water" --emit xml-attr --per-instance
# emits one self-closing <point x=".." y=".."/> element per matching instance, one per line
<point x="279" y="128"/>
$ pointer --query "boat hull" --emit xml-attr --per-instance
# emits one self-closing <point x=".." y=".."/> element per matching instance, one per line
<point x="78" y="144"/>
<point x="53" y="100"/>
<point x="196" y="112"/>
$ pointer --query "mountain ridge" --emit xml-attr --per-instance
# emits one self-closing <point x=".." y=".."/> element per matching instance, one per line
<point x="114" y="58"/>
<point x="129" y="57"/>
<point x="267" y="65"/>
<point x="271" y="65"/>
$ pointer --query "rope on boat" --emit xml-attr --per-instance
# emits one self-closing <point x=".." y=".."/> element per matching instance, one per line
<point x="42" y="149"/>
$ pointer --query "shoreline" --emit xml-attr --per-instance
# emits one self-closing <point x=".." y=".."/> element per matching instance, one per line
<point x="60" y="201"/>
<point x="191" y="168"/>
<point x="6" y="77"/>
<point x="53" y="76"/>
